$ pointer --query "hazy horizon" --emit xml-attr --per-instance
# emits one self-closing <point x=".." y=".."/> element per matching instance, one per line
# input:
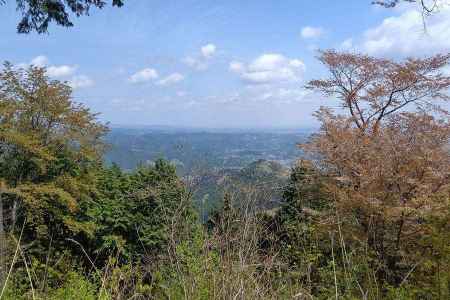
<point x="211" y="128"/>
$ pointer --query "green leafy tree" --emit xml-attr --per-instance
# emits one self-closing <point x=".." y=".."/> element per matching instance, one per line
<point x="305" y="194"/>
<point x="49" y="146"/>
<point x="38" y="14"/>
<point x="305" y="200"/>
<point x="141" y="213"/>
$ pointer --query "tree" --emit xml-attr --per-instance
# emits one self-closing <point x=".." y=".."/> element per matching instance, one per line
<point x="305" y="199"/>
<point x="371" y="89"/>
<point x="140" y="213"/>
<point x="49" y="146"/>
<point x="37" y="15"/>
<point x="305" y="193"/>
<point x="390" y="163"/>
<point x="428" y="7"/>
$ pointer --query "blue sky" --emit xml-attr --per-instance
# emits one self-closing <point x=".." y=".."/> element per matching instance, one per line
<point x="215" y="63"/>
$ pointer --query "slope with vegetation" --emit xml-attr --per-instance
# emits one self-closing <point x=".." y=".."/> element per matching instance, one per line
<point x="367" y="217"/>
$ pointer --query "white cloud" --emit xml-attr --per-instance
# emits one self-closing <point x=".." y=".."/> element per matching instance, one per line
<point x="42" y="61"/>
<point x="309" y="32"/>
<point x="208" y="50"/>
<point x="269" y="68"/>
<point x="264" y="94"/>
<point x="285" y="95"/>
<point x="200" y="62"/>
<point x="267" y="62"/>
<point x="39" y="61"/>
<point x="296" y="63"/>
<point x="171" y="79"/>
<point x="195" y="63"/>
<point x="80" y="81"/>
<point x="144" y="75"/>
<point x="404" y="35"/>
<point x="61" y="71"/>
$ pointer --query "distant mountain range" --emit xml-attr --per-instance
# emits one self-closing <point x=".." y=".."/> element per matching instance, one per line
<point x="214" y="161"/>
<point x="195" y="148"/>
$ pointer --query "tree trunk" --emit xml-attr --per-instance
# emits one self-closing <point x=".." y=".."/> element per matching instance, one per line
<point x="14" y="216"/>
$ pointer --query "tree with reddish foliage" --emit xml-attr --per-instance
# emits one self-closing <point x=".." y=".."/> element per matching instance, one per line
<point x="388" y="153"/>
<point x="371" y="89"/>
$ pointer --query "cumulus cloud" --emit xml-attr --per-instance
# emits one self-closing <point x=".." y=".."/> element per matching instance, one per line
<point x="144" y="75"/>
<point x="57" y="71"/>
<point x="309" y="32"/>
<point x="208" y="50"/>
<point x="404" y="35"/>
<point x="61" y="71"/>
<point x="200" y="61"/>
<point x="80" y="81"/>
<point x="171" y="79"/>
<point x="269" y="68"/>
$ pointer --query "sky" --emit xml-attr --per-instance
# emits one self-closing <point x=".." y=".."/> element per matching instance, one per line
<point x="215" y="64"/>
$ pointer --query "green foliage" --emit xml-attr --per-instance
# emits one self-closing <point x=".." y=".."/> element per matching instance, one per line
<point x="75" y="287"/>
<point x="67" y="207"/>
<point x="134" y="211"/>
<point x="37" y="15"/>
<point x="305" y="193"/>
<point x="49" y="148"/>
<point x="305" y="199"/>
<point x="192" y="276"/>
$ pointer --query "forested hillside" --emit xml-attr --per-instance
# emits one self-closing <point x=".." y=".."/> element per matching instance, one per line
<point x="212" y="162"/>
<point x="366" y="217"/>
<point x="192" y="149"/>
